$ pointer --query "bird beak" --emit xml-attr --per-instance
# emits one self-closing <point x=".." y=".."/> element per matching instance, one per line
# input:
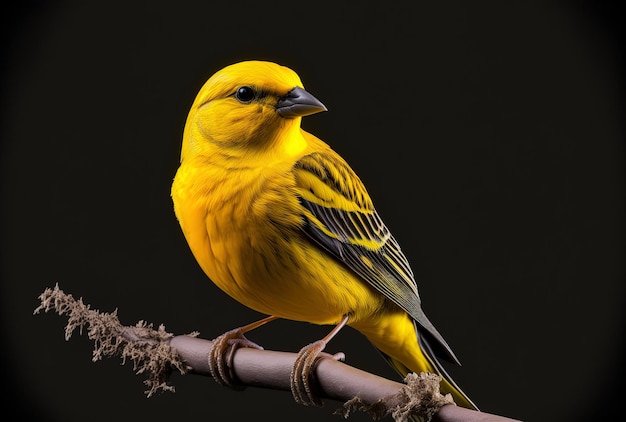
<point x="299" y="102"/>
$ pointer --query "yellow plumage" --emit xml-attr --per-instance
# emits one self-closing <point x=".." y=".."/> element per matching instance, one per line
<point x="281" y="223"/>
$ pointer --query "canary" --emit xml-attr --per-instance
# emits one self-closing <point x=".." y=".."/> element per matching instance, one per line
<point x="281" y="223"/>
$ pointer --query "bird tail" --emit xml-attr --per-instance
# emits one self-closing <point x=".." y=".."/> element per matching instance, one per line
<point x="447" y="383"/>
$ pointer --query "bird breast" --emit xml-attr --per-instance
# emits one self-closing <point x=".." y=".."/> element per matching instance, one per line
<point x="244" y="229"/>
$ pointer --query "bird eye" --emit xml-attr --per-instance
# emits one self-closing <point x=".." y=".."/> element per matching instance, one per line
<point x="245" y="94"/>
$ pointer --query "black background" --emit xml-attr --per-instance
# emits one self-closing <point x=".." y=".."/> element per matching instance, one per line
<point x="489" y="134"/>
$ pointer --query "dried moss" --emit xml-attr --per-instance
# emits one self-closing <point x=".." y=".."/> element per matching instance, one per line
<point x="146" y="347"/>
<point x="419" y="400"/>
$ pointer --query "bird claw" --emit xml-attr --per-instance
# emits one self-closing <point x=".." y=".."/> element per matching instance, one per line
<point x="302" y="373"/>
<point x="222" y="353"/>
<point x="340" y="356"/>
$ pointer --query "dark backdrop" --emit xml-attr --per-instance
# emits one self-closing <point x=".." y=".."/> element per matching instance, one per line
<point x="490" y="136"/>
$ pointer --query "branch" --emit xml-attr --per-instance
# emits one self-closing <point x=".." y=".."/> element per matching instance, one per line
<point x="157" y="353"/>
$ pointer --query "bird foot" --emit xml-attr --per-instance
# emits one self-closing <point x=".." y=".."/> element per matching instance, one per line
<point x="221" y="356"/>
<point x="302" y="372"/>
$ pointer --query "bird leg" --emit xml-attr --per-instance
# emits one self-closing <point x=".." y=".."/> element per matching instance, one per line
<point x="224" y="348"/>
<point x="302" y="371"/>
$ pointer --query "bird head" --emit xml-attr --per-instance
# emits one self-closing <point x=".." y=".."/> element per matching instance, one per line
<point x="247" y="108"/>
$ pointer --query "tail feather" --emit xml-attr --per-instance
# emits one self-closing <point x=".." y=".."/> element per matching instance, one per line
<point x="409" y="347"/>
<point x="447" y="383"/>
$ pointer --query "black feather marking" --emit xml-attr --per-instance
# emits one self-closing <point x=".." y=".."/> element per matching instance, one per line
<point x="350" y="236"/>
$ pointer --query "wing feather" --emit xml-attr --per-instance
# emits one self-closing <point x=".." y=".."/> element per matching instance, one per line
<point x="340" y="217"/>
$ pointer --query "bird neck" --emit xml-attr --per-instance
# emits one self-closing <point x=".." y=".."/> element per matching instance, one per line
<point x="285" y="145"/>
<point x="290" y="141"/>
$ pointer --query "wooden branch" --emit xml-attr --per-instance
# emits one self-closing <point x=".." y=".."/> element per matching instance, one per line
<point x="157" y="353"/>
<point x="335" y="380"/>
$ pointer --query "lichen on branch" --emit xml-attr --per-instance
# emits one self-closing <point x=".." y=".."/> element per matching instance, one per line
<point x="157" y="353"/>
<point x="146" y="347"/>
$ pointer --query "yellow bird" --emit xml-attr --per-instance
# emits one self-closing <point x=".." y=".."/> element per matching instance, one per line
<point x="281" y="223"/>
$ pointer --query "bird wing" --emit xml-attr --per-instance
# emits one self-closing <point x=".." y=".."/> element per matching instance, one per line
<point x="340" y="217"/>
